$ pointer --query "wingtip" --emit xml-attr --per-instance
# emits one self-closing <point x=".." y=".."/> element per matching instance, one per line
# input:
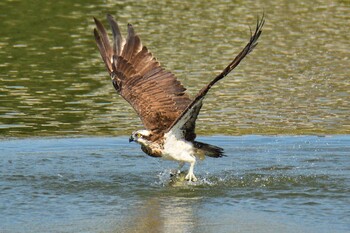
<point x="97" y="35"/>
<point x="261" y="21"/>
<point x="99" y="25"/>
<point x="95" y="20"/>
<point x="131" y="31"/>
<point x="109" y="17"/>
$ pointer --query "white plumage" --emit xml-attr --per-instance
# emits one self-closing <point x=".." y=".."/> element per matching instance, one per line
<point x="179" y="150"/>
<point x="160" y="100"/>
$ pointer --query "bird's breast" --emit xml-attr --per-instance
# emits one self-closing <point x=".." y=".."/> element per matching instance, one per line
<point x="176" y="149"/>
<point x="152" y="151"/>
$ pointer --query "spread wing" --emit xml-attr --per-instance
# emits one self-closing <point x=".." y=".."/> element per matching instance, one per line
<point x="155" y="94"/>
<point x="184" y="125"/>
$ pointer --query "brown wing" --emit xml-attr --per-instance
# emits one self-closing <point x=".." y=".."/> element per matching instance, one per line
<point x="155" y="94"/>
<point x="184" y="125"/>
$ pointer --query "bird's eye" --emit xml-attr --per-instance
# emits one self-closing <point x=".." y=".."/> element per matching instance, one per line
<point x="138" y="135"/>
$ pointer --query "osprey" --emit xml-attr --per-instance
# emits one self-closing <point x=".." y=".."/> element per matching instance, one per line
<point x="165" y="109"/>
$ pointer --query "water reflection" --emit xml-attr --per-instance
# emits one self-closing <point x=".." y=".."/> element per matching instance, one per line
<point x="100" y="184"/>
<point x="52" y="80"/>
<point x="159" y="215"/>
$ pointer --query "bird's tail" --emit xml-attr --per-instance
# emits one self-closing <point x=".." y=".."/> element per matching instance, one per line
<point x="204" y="149"/>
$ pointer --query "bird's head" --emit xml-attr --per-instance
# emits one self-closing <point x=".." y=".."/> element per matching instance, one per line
<point x="140" y="136"/>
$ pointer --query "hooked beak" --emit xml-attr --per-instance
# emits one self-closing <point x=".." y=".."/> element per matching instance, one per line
<point x="131" y="139"/>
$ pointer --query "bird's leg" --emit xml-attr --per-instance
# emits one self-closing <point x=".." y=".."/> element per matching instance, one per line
<point x="190" y="175"/>
<point x="181" y="164"/>
<point x="175" y="172"/>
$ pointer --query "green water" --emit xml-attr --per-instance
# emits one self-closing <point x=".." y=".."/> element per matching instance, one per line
<point x="53" y="82"/>
<point x="54" y="87"/>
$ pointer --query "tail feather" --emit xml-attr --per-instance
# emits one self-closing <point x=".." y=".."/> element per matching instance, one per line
<point x="204" y="149"/>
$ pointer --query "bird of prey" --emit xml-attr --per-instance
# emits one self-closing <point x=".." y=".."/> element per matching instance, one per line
<point x="160" y="100"/>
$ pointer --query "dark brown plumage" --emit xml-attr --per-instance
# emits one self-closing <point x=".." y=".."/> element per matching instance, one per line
<point x="157" y="96"/>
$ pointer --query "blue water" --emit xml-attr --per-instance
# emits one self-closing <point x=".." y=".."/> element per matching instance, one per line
<point x="105" y="184"/>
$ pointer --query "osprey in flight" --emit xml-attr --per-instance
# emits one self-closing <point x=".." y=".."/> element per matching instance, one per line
<point x="166" y="110"/>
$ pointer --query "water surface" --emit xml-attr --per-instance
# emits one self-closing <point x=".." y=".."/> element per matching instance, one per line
<point x="54" y="87"/>
<point x="53" y="82"/>
<point x="264" y="184"/>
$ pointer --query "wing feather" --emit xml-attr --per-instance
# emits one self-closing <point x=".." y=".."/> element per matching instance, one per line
<point x="184" y="125"/>
<point x="155" y="94"/>
<point x="118" y="39"/>
<point x="103" y="52"/>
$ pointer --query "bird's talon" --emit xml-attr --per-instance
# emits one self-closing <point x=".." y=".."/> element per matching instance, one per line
<point x="191" y="177"/>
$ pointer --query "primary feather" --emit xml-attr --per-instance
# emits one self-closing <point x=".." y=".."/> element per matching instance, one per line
<point x="167" y="112"/>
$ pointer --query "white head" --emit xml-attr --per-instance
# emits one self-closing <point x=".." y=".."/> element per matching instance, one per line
<point x="140" y="136"/>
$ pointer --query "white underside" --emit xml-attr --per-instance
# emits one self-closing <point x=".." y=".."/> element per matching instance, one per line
<point x="181" y="151"/>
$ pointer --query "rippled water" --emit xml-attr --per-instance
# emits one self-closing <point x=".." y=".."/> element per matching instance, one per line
<point x="264" y="184"/>
<point x="296" y="82"/>
<point x="53" y="82"/>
